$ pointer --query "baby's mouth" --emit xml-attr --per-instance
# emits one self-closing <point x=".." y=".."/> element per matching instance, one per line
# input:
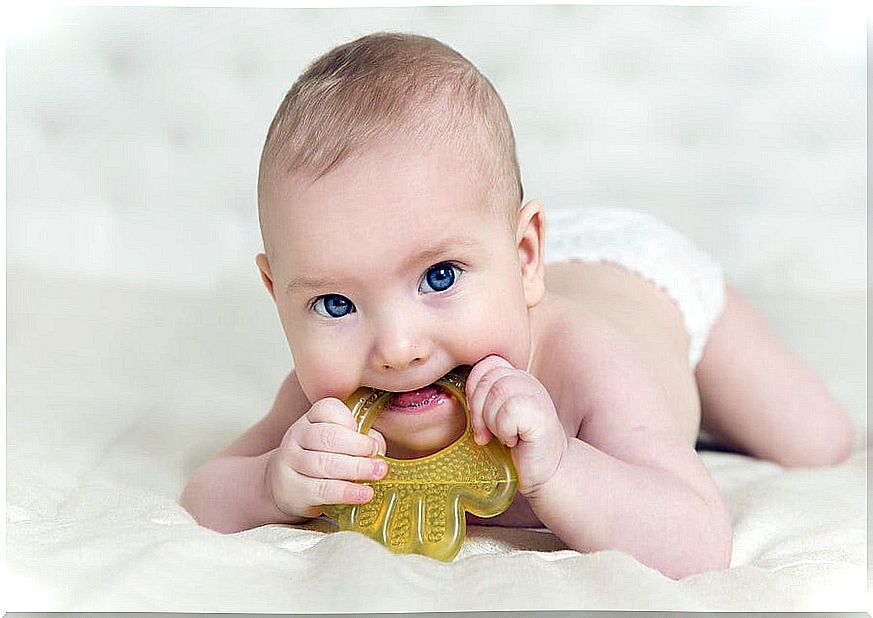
<point x="425" y="397"/>
<point x="411" y="400"/>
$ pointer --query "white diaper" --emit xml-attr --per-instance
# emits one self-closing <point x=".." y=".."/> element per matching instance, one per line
<point x="645" y="245"/>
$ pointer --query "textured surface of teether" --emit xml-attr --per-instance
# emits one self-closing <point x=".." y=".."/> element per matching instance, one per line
<point x="419" y="505"/>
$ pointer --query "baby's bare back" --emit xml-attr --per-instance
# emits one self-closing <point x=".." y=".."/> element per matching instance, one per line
<point x="614" y="322"/>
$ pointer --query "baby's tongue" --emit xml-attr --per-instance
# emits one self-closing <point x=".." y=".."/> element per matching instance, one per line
<point x="415" y="398"/>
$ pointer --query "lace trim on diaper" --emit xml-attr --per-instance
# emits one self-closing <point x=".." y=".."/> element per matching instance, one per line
<point x="645" y="245"/>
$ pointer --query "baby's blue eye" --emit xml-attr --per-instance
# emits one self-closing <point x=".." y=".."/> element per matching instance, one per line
<point x="439" y="278"/>
<point x="333" y="306"/>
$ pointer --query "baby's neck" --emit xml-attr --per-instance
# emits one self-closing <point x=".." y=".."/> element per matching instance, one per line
<point x="542" y="317"/>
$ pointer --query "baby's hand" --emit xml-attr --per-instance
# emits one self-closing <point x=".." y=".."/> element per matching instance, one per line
<point x="320" y="454"/>
<point x="516" y="408"/>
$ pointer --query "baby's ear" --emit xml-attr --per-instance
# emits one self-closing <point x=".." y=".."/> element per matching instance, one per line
<point x="530" y="238"/>
<point x="266" y="276"/>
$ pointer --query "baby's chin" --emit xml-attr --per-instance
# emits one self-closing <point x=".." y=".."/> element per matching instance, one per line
<point x="409" y="449"/>
<point x="419" y="436"/>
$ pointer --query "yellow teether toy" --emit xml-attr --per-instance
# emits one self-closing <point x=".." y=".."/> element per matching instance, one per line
<point x="419" y="505"/>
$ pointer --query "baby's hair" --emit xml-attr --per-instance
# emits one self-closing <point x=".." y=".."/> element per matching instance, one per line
<point x="391" y="85"/>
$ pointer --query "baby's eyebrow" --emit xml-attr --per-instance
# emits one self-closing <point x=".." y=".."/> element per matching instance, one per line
<point x="431" y="253"/>
<point x="445" y="246"/>
<point x="303" y="282"/>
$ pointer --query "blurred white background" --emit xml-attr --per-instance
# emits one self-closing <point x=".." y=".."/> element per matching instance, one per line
<point x="134" y="133"/>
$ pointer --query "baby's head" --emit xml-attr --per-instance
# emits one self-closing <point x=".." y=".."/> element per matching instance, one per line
<point x="390" y="87"/>
<point x="390" y="204"/>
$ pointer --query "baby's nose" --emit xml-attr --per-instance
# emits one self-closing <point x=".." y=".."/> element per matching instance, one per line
<point x="398" y="349"/>
<point x="401" y="357"/>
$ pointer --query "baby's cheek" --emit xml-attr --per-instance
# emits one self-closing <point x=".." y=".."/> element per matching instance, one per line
<point x="506" y="334"/>
<point x="325" y="375"/>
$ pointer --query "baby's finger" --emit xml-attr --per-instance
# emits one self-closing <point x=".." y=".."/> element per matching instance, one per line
<point x="512" y="420"/>
<point x="336" y="439"/>
<point x="492" y="386"/>
<point x="481" y="433"/>
<point x="380" y="439"/>
<point x="481" y="368"/>
<point x="330" y="491"/>
<point x="324" y="465"/>
<point x="331" y="410"/>
<point x="504" y="387"/>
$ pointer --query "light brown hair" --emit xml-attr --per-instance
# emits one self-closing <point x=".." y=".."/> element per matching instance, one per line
<point x="391" y="85"/>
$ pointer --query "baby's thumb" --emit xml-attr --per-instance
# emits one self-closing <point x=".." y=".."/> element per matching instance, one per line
<point x="380" y="439"/>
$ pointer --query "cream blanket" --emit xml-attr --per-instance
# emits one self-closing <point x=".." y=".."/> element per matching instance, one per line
<point x="115" y="394"/>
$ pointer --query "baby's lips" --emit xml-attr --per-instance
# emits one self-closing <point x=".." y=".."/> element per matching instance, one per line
<point x="415" y="398"/>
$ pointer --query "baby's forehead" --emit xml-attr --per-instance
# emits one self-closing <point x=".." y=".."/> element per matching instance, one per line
<point x="388" y="191"/>
<point x="420" y="177"/>
<point x="399" y="235"/>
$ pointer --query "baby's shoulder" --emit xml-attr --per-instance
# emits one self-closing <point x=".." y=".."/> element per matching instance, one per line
<point x="602" y="378"/>
<point x="572" y="335"/>
<point x="579" y="354"/>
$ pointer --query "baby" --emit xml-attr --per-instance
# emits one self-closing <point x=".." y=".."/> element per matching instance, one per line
<point x="398" y="247"/>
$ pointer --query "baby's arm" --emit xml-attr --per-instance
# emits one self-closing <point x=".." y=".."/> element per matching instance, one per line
<point x="228" y="493"/>
<point x="629" y="481"/>
<point x="650" y="497"/>
<point x="285" y="466"/>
